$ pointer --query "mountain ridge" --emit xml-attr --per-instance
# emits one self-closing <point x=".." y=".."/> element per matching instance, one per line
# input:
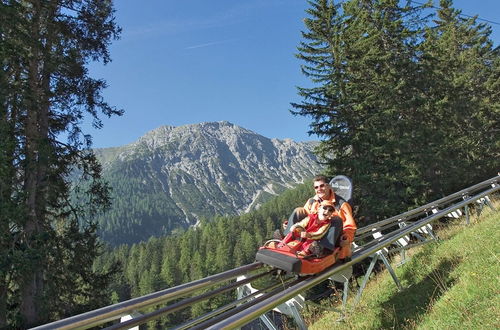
<point x="172" y="177"/>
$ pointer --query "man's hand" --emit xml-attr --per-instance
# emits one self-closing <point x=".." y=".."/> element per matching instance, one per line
<point x="344" y="241"/>
<point x="305" y="234"/>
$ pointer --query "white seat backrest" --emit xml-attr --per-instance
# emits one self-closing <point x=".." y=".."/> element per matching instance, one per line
<point x="342" y="186"/>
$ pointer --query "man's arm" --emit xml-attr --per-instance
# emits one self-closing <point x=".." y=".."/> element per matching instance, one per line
<point x="302" y="223"/>
<point x="309" y="204"/>
<point x="349" y="225"/>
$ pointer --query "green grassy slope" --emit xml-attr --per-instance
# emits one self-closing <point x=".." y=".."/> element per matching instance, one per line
<point x="452" y="284"/>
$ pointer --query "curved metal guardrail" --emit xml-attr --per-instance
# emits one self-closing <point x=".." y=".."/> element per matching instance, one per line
<point x="112" y="312"/>
<point x="229" y="317"/>
<point x="459" y="195"/>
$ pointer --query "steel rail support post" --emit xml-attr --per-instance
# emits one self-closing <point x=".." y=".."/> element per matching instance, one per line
<point x="391" y="270"/>
<point x="431" y="233"/>
<point x="366" y="277"/>
<point x="467" y="215"/>
<point x="466" y="209"/>
<point x="294" y="308"/>
<point x="344" y="300"/>
<point x="403" y="243"/>
<point x="488" y="202"/>
<point x="402" y="254"/>
<point x="343" y="277"/>
<point x="267" y="321"/>
<point x="377" y="255"/>
<point x="291" y="307"/>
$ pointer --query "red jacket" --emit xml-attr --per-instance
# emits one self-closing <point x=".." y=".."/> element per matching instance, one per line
<point x="314" y="227"/>
<point x="345" y="213"/>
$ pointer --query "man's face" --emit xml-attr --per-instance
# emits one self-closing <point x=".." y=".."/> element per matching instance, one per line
<point x="321" y="188"/>
<point x="325" y="212"/>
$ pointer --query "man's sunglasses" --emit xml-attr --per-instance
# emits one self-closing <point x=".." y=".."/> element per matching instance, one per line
<point x="319" y="186"/>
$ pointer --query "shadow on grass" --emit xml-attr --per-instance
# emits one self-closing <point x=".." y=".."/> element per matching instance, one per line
<point x="404" y="308"/>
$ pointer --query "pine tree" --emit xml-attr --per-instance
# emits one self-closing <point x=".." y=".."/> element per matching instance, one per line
<point x="360" y="58"/>
<point x="46" y="91"/>
<point x="462" y="108"/>
<point x="407" y="107"/>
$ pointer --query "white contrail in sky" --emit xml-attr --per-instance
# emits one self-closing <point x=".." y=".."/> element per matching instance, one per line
<point x="208" y="44"/>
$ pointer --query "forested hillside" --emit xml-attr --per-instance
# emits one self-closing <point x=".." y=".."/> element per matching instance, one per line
<point x="215" y="246"/>
<point x="172" y="177"/>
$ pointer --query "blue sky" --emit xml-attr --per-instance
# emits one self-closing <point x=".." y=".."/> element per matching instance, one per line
<point x="191" y="61"/>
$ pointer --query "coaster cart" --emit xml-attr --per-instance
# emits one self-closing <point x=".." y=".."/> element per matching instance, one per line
<point x="284" y="254"/>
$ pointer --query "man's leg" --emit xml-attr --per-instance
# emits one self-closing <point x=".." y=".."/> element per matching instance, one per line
<point x="330" y="240"/>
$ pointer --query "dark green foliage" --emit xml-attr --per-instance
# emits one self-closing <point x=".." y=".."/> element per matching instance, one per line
<point x="215" y="246"/>
<point x="406" y="108"/>
<point x="46" y="254"/>
<point x="462" y="102"/>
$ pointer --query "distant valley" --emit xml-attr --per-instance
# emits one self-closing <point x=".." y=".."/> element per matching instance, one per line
<point x="174" y="176"/>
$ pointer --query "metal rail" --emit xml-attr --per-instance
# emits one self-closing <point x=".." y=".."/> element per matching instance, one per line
<point x="429" y="206"/>
<point x="112" y="312"/>
<point x="220" y="310"/>
<point x="244" y="313"/>
<point x="183" y="304"/>
<point x="245" y="306"/>
<point x="247" y="315"/>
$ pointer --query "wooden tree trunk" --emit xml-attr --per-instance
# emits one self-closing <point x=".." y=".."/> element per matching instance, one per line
<point x="36" y="183"/>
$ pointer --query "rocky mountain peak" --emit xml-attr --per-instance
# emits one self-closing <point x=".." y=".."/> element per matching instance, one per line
<point x="221" y="167"/>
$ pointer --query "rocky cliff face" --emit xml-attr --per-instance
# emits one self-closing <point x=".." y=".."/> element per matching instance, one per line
<point x="173" y="176"/>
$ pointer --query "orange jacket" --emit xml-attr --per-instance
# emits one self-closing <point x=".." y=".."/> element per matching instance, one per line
<point x="348" y="229"/>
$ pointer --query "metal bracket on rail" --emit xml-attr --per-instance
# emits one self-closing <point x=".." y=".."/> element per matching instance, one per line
<point x="423" y="234"/>
<point x="290" y="307"/>
<point x="130" y="316"/>
<point x="379" y="254"/>
<point x="343" y="277"/>
<point x="482" y="203"/>
<point x="466" y="208"/>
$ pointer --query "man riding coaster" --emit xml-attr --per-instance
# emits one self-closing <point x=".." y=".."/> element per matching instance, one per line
<point x="339" y="233"/>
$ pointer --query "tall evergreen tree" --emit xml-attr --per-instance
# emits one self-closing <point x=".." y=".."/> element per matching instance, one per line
<point x="462" y="103"/>
<point x="408" y="107"/>
<point x="360" y="58"/>
<point x="45" y="46"/>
